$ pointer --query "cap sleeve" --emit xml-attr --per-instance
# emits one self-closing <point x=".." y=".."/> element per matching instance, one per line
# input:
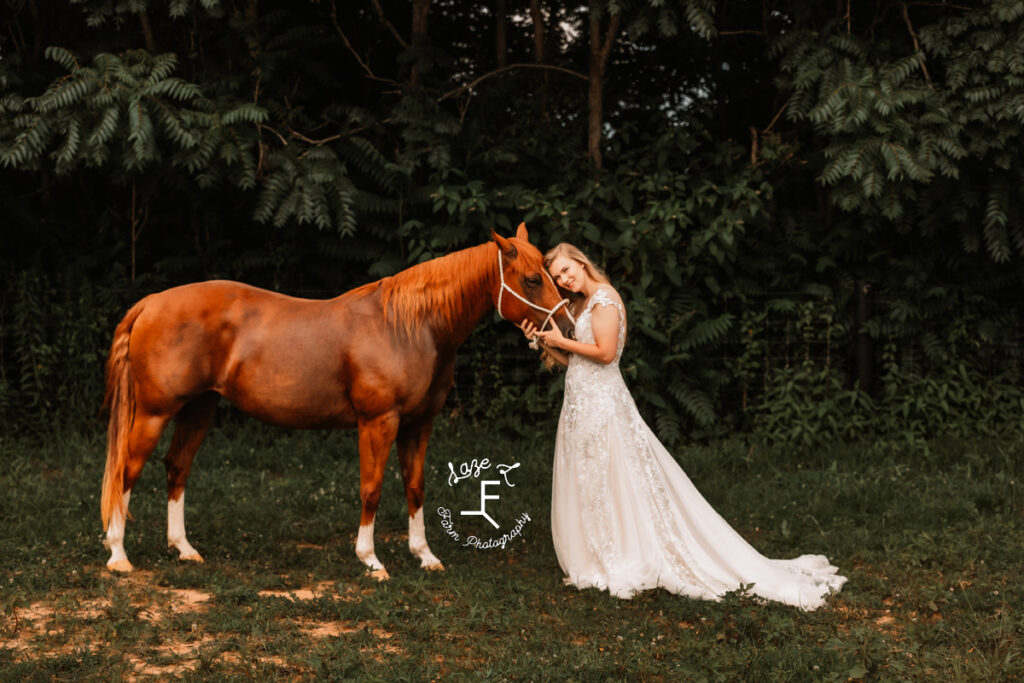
<point x="601" y="298"/>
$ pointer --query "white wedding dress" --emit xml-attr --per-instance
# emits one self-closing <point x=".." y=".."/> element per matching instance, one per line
<point x="624" y="515"/>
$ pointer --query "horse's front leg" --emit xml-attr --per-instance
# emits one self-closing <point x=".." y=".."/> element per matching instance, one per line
<point x="412" y="448"/>
<point x="375" y="438"/>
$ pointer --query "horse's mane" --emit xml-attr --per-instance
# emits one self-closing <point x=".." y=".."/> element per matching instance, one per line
<point x="442" y="290"/>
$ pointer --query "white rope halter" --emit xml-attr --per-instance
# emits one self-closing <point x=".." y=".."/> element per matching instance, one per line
<point x="550" y="311"/>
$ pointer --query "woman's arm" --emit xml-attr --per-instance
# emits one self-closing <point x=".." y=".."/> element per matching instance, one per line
<point x="560" y="357"/>
<point x="604" y="321"/>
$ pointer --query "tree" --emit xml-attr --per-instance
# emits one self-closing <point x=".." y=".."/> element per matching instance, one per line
<point x="737" y="166"/>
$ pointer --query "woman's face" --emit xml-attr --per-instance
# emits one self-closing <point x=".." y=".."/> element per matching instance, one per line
<point x="568" y="273"/>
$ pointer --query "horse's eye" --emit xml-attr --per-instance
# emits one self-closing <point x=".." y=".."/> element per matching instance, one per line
<point x="532" y="280"/>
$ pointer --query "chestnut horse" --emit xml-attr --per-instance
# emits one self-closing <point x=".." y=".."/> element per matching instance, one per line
<point x="380" y="357"/>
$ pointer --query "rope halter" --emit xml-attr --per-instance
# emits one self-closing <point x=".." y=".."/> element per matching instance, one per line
<point x="550" y="311"/>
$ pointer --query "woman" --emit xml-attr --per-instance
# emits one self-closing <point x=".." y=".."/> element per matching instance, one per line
<point x="624" y="516"/>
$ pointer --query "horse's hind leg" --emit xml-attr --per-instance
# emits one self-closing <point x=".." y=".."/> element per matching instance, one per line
<point x="190" y="427"/>
<point x="412" y="448"/>
<point x="375" y="438"/>
<point x="144" y="435"/>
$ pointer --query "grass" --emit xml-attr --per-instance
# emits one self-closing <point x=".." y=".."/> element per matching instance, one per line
<point x="930" y="539"/>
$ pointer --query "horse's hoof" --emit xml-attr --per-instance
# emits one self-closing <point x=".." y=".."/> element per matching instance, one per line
<point x="194" y="557"/>
<point x="123" y="566"/>
<point x="436" y="567"/>
<point x="380" y="574"/>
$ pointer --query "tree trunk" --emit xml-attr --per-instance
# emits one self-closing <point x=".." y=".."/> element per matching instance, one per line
<point x="600" y="51"/>
<point x="538" y="31"/>
<point x="500" y="34"/>
<point x="147" y="32"/>
<point x="252" y="16"/>
<point x="37" y="29"/>
<point x="420" y="12"/>
<point x="538" y="54"/>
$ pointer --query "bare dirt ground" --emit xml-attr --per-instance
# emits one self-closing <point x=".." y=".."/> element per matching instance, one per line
<point x="174" y="644"/>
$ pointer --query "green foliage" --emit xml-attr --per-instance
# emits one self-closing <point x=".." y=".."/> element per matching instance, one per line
<point x="116" y="101"/>
<point x="668" y="226"/>
<point x="103" y="12"/>
<point x="914" y="133"/>
<point x="55" y="332"/>
<point x="289" y="147"/>
<point x="309" y="188"/>
<point x="669" y="19"/>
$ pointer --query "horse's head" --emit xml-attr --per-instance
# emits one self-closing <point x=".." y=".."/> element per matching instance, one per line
<point x="526" y="290"/>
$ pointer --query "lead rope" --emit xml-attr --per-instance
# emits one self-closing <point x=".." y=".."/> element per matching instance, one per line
<point x="550" y="311"/>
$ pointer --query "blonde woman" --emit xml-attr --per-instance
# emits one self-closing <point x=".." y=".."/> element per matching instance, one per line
<point x="624" y="515"/>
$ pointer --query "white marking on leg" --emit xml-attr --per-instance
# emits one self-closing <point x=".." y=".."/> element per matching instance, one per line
<point x="364" y="551"/>
<point x="118" y="561"/>
<point x="176" y="530"/>
<point x="418" y="542"/>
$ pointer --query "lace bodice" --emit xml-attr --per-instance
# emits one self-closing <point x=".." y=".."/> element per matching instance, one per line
<point x="593" y="389"/>
<point x="585" y="331"/>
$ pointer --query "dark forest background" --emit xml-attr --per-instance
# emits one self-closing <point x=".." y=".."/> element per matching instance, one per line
<point x="813" y="210"/>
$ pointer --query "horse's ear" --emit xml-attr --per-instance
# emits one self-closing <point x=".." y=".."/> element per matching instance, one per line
<point x="507" y="248"/>
<point x="521" y="232"/>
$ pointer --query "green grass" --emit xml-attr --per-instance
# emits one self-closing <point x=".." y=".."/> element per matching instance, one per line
<point x="930" y="539"/>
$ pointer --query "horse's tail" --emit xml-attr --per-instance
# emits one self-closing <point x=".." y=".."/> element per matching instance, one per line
<point x="120" y="398"/>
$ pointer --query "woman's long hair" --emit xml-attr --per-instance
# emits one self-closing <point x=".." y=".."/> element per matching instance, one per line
<point x="576" y="299"/>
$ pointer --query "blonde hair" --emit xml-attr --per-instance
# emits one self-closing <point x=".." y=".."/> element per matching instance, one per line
<point x="573" y="252"/>
<point x="576" y="299"/>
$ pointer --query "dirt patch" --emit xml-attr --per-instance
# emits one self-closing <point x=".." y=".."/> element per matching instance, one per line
<point x="53" y="627"/>
<point x="322" y="589"/>
<point x="890" y="621"/>
<point x="64" y="625"/>
<point x="326" y="629"/>
<point x="308" y="546"/>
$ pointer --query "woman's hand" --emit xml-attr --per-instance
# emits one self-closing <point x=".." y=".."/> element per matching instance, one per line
<point x="605" y="325"/>
<point x="552" y="338"/>
<point x="529" y="329"/>
<point x="537" y="338"/>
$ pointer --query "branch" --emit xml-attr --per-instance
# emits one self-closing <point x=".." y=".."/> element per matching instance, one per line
<point x="364" y="65"/>
<point x="939" y="4"/>
<point x="779" y="113"/>
<point x="263" y="126"/>
<point x="331" y="138"/>
<point x="317" y="142"/>
<point x="394" y="31"/>
<point x="475" y="81"/>
<point x="917" y="45"/>
<point x="451" y="93"/>
<point x="609" y="39"/>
